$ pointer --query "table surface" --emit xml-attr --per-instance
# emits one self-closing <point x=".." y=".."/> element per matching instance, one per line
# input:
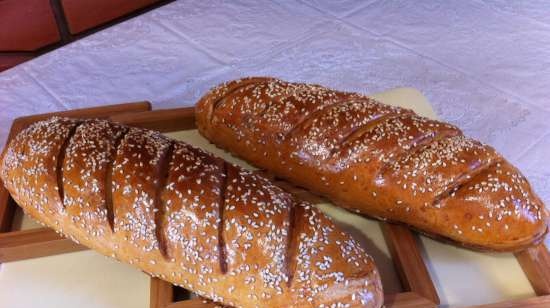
<point x="484" y="65"/>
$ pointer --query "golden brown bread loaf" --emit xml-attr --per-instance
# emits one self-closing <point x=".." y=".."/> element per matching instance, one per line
<point x="186" y="216"/>
<point x="378" y="160"/>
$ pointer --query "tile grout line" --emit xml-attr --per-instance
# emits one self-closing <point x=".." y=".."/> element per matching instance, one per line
<point x="61" y="21"/>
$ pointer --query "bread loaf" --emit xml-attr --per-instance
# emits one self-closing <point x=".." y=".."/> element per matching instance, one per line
<point x="377" y="160"/>
<point x="185" y="216"/>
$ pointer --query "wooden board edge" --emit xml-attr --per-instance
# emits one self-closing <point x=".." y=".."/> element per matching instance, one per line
<point x="34" y="243"/>
<point x="533" y="302"/>
<point x="193" y="303"/>
<point x="7" y="207"/>
<point x="407" y="300"/>
<point x="398" y="300"/>
<point x="163" y="120"/>
<point x="91" y="112"/>
<point x="535" y="262"/>
<point x="161" y="293"/>
<point x="408" y="261"/>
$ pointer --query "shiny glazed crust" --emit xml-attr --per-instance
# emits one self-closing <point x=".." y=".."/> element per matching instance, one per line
<point x="377" y="160"/>
<point x="181" y="214"/>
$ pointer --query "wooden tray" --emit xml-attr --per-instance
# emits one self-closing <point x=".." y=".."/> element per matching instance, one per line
<point x="409" y="264"/>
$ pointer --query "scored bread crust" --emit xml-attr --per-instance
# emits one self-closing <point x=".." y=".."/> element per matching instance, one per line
<point x="186" y="216"/>
<point x="378" y="160"/>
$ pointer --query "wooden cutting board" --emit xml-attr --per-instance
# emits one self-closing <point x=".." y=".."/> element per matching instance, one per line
<point x="86" y="279"/>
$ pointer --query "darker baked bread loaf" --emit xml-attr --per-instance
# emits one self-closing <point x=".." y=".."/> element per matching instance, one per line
<point x="186" y="216"/>
<point x="378" y="160"/>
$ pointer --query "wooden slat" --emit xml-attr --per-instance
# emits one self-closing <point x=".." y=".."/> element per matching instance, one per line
<point x="34" y="243"/>
<point x="162" y="293"/>
<point x="535" y="262"/>
<point x="407" y="300"/>
<point x="164" y="120"/>
<point x="181" y="294"/>
<point x="533" y="302"/>
<point x="7" y="209"/>
<point x="400" y="300"/>
<point x="15" y="128"/>
<point x="93" y="112"/>
<point x="408" y="262"/>
<point x="193" y="303"/>
<point x="7" y="206"/>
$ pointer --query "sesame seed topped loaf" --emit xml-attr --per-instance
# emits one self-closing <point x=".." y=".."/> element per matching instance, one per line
<point x="186" y="216"/>
<point x="381" y="161"/>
